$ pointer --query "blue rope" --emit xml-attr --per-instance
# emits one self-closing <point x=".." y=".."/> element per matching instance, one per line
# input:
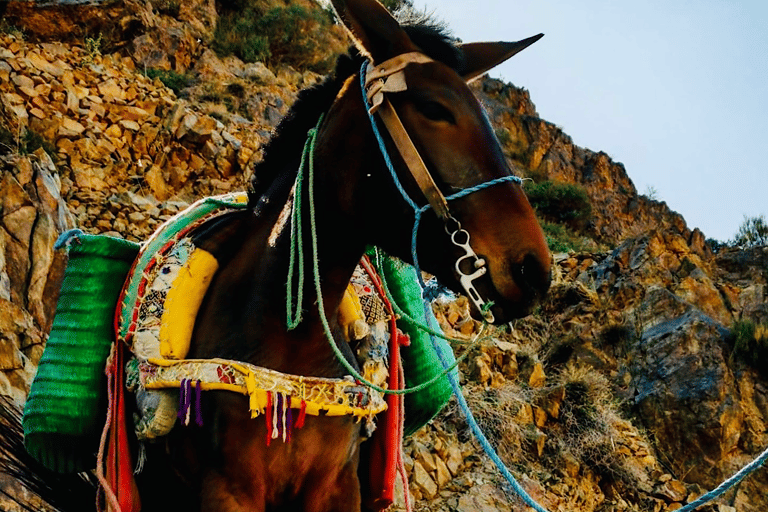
<point x="478" y="432"/>
<point x="728" y="484"/>
<point x="486" y="445"/>
<point x="68" y="237"/>
<point x="453" y="379"/>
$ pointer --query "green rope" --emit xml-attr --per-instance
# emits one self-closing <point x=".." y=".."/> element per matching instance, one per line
<point x="297" y="247"/>
<point x="296" y="256"/>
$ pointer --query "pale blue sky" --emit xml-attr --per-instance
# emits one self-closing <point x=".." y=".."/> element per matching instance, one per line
<point x="676" y="90"/>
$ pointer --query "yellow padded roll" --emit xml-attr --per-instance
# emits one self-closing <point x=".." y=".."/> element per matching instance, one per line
<point x="350" y="313"/>
<point x="183" y="302"/>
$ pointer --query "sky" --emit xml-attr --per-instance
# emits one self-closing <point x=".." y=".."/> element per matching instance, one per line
<point x="676" y="90"/>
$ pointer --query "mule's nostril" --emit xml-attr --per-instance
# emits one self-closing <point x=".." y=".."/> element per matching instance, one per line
<point x="532" y="276"/>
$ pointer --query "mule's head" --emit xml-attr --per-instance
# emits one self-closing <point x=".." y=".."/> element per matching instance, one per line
<point x="454" y="138"/>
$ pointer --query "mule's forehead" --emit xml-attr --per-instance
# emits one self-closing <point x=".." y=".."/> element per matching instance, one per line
<point x="438" y="78"/>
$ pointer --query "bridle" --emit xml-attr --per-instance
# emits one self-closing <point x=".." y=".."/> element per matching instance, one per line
<point x="389" y="77"/>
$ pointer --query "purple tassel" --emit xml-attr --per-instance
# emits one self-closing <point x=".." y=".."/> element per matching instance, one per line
<point x="289" y="419"/>
<point x="198" y="406"/>
<point x="279" y="406"/>
<point x="185" y="399"/>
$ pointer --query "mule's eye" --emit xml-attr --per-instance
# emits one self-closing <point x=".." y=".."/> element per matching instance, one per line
<point x="434" y="111"/>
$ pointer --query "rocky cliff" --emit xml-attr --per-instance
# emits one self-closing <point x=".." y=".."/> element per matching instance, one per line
<point x="624" y="391"/>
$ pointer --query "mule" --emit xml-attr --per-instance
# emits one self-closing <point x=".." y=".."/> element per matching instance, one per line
<point x="226" y="465"/>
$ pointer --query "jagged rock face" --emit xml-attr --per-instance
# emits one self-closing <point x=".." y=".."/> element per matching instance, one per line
<point x="686" y="394"/>
<point x="33" y="215"/>
<point x="744" y="274"/>
<point x="74" y="21"/>
<point x="674" y="365"/>
<point x="116" y="21"/>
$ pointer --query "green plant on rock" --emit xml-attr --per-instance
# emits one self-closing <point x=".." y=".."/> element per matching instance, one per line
<point x="652" y="193"/>
<point x="750" y="343"/>
<point x="564" y="203"/>
<point x="10" y="29"/>
<point x="93" y="48"/>
<point x="171" y="79"/>
<point x="752" y="232"/>
<point x="32" y="141"/>
<point x="561" y="239"/>
<point x="504" y="136"/>
<point x="236" y="35"/>
<point x="293" y="34"/>
<point x="26" y="142"/>
<point x="716" y="245"/>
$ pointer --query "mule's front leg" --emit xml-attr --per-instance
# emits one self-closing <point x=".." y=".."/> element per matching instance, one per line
<point x="220" y="493"/>
<point x="341" y="494"/>
<point x="313" y="471"/>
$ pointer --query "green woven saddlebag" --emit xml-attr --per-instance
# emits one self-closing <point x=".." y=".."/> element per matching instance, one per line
<point x="420" y="360"/>
<point x="66" y="407"/>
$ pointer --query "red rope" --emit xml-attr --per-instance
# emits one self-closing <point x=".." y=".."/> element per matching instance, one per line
<point x="388" y="441"/>
<point x="103" y="484"/>
<point x="400" y="463"/>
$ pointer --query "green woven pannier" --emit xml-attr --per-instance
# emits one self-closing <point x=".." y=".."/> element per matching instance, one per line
<point x="420" y="360"/>
<point x="66" y="407"/>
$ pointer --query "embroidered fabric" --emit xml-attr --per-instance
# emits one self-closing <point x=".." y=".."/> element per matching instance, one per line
<point x="334" y="397"/>
<point x="156" y="379"/>
<point x="151" y="304"/>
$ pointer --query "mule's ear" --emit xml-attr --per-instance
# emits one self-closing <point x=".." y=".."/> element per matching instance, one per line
<point x="375" y="32"/>
<point x="480" y="57"/>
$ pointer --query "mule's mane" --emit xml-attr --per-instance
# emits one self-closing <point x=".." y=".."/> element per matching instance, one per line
<point x="282" y="154"/>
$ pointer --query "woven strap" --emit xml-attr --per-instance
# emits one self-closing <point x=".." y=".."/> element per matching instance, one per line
<point x="335" y="397"/>
<point x="389" y="77"/>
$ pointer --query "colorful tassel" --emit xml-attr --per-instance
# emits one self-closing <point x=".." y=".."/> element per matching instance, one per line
<point x="198" y="405"/>
<point x="286" y="407"/>
<point x="185" y="401"/>
<point x="268" y="414"/>
<point x="289" y="419"/>
<point x="302" y="414"/>
<point x="275" y="417"/>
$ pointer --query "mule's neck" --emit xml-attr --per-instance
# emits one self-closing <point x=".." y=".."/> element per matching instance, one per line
<point x="244" y="314"/>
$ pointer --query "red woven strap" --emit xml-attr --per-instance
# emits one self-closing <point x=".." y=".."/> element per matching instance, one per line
<point x="119" y="463"/>
<point x="387" y="440"/>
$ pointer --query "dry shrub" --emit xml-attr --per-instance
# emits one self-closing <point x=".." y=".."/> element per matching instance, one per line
<point x="589" y="427"/>
<point x="494" y="410"/>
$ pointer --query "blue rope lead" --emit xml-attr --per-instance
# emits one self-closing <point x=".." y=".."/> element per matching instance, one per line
<point x="728" y="484"/>
<point x="418" y="211"/>
<point x="478" y="432"/>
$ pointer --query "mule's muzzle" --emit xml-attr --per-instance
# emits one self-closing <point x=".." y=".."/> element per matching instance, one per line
<point x="533" y="277"/>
